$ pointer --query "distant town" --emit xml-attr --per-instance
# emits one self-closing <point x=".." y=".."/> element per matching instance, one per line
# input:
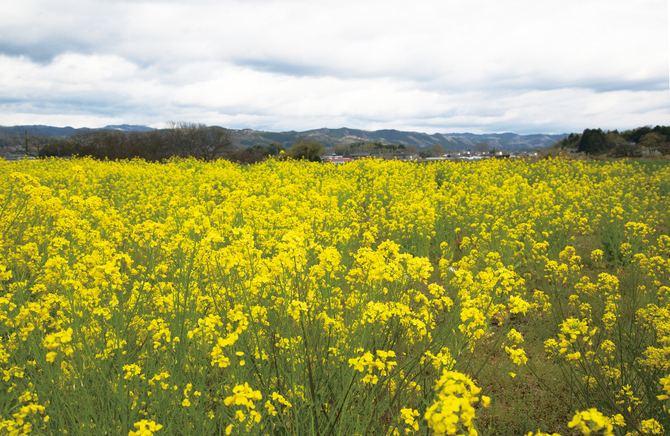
<point x="465" y="155"/>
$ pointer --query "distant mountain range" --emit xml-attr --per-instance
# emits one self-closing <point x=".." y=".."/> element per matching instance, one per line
<point x="450" y="141"/>
<point x="66" y="131"/>
<point x="332" y="137"/>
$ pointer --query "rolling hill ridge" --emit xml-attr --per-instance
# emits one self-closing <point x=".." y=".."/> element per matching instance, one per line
<point x="331" y="137"/>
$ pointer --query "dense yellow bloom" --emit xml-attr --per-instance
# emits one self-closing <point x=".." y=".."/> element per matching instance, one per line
<point x="55" y="341"/>
<point x="141" y="292"/>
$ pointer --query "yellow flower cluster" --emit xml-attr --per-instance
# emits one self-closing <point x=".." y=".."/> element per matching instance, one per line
<point x="243" y="395"/>
<point x="452" y="411"/>
<point x="145" y="428"/>
<point x="381" y="363"/>
<point x="591" y="420"/>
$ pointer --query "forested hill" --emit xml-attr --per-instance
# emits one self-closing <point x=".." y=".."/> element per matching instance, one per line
<point x="450" y="141"/>
<point x="332" y="137"/>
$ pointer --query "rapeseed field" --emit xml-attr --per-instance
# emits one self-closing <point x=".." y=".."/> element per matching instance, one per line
<point x="372" y="298"/>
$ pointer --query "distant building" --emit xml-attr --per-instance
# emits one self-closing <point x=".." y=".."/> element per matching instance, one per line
<point x="337" y="159"/>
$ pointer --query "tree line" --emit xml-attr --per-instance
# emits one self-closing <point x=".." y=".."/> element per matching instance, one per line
<point x="375" y="147"/>
<point x="629" y="143"/>
<point x="303" y="148"/>
<point x="178" y="139"/>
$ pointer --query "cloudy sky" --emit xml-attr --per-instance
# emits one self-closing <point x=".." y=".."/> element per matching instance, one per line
<point x="525" y="66"/>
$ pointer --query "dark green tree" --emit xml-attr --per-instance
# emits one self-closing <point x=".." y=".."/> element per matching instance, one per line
<point x="636" y="134"/>
<point x="274" y="148"/>
<point x="593" y="141"/>
<point x="663" y="130"/>
<point x="59" y="147"/>
<point x="570" y="141"/>
<point x="257" y="153"/>
<point x="307" y="149"/>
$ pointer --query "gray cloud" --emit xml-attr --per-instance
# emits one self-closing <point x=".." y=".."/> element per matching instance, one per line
<point x="436" y="66"/>
<point x="283" y="68"/>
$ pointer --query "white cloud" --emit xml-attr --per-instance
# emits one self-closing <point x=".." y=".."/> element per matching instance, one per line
<point x="435" y="66"/>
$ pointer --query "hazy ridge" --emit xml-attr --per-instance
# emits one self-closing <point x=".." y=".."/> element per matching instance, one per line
<point x="332" y="137"/>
